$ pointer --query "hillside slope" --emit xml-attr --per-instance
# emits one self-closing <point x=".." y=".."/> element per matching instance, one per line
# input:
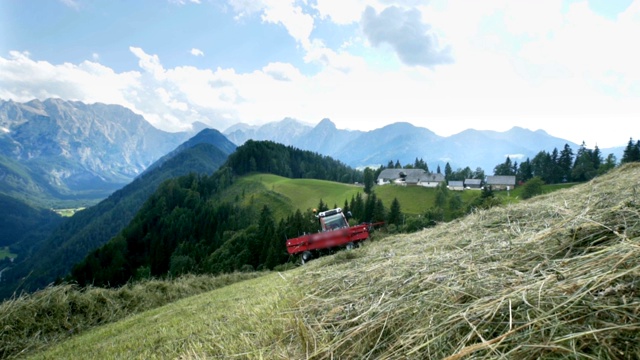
<point x="557" y="276"/>
<point x="92" y="227"/>
<point x="19" y="221"/>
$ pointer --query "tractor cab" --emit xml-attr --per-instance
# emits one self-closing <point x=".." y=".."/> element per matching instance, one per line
<point x="333" y="220"/>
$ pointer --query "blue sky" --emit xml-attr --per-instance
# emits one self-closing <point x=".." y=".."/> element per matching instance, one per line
<point x="567" y="67"/>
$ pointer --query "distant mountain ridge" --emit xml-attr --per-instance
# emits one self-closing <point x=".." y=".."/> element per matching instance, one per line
<point x="405" y="142"/>
<point x="73" y="150"/>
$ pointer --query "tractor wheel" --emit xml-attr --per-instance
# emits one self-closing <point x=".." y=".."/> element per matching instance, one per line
<point x="305" y="257"/>
<point x="351" y="246"/>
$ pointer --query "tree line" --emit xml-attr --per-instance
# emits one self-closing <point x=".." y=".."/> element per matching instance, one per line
<point x="564" y="166"/>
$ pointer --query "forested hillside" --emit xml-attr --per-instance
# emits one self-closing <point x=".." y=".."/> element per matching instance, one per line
<point x="94" y="226"/>
<point x="21" y="225"/>
<point x="186" y="227"/>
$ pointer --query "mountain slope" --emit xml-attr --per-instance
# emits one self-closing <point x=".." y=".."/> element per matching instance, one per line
<point x="554" y="277"/>
<point x="17" y="180"/>
<point x="325" y="139"/>
<point x="94" y="226"/>
<point x="74" y="150"/>
<point x="286" y="132"/>
<point x="21" y="224"/>
<point x="398" y="141"/>
<point x="205" y="136"/>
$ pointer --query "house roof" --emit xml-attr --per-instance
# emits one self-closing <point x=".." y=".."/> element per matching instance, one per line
<point x="433" y="177"/>
<point x="411" y="175"/>
<point x="456" y="183"/>
<point x="501" y="180"/>
<point x="473" y="181"/>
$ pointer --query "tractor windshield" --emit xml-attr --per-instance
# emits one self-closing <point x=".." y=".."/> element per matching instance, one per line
<point x="332" y="222"/>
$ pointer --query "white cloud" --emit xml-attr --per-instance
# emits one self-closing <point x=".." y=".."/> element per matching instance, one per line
<point x="287" y="13"/>
<point x="341" y="12"/>
<point x="575" y="76"/>
<point x="407" y="34"/>
<point x="184" y="2"/>
<point x="196" y="52"/>
<point x="341" y="60"/>
<point x="74" y="4"/>
<point x="24" y="79"/>
<point x="149" y="63"/>
<point x="282" y="71"/>
<point x="519" y="157"/>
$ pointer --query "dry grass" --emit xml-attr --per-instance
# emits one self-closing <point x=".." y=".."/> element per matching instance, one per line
<point x="243" y="320"/>
<point x="555" y="277"/>
<point x="33" y="322"/>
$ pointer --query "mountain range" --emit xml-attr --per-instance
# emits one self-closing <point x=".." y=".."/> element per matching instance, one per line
<point x="57" y="153"/>
<point x="405" y="142"/>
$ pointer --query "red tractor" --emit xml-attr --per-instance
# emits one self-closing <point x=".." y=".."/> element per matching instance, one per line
<point x="336" y="233"/>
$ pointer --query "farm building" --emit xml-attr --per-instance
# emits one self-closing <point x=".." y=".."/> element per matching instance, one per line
<point x="432" y="180"/>
<point x="473" y="183"/>
<point x="409" y="177"/>
<point x="456" y="185"/>
<point x="502" y="182"/>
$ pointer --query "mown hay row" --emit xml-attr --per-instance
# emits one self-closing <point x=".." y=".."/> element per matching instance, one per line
<point x="31" y="322"/>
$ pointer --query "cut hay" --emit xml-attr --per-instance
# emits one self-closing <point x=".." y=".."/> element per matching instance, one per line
<point x="554" y="277"/>
<point x="32" y="322"/>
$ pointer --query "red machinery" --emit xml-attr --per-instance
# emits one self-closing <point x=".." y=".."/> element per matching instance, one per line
<point x="335" y="233"/>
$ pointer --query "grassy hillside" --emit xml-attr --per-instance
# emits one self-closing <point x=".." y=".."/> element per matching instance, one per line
<point x="554" y="277"/>
<point x="284" y="195"/>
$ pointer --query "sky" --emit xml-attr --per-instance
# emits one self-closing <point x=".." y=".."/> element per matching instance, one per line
<point x="567" y="67"/>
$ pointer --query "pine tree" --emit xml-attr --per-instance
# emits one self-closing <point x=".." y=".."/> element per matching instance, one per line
<point x="525" y="172"/>
<point x="357" y="207"/>
<point x="583" y="168"/>
<point x="506" y="168"/>
<point x="266" y="233"/>
<point x="565" y="163"/>
<point x="478" y="174"/>
<point x="447" y="171"/>
<point x="379" y="212"/>
<point x="631" y="152"/>
<point x="370" y="207"/>
<point x="596" y="158"/>
<point x="609" y="163"/>
<point x="368" y="180"/>
<point x="541" y="166"/>
<point x="442" y="193"/>
<point x="322" y="206"/>
<point x="395" y="215"/>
